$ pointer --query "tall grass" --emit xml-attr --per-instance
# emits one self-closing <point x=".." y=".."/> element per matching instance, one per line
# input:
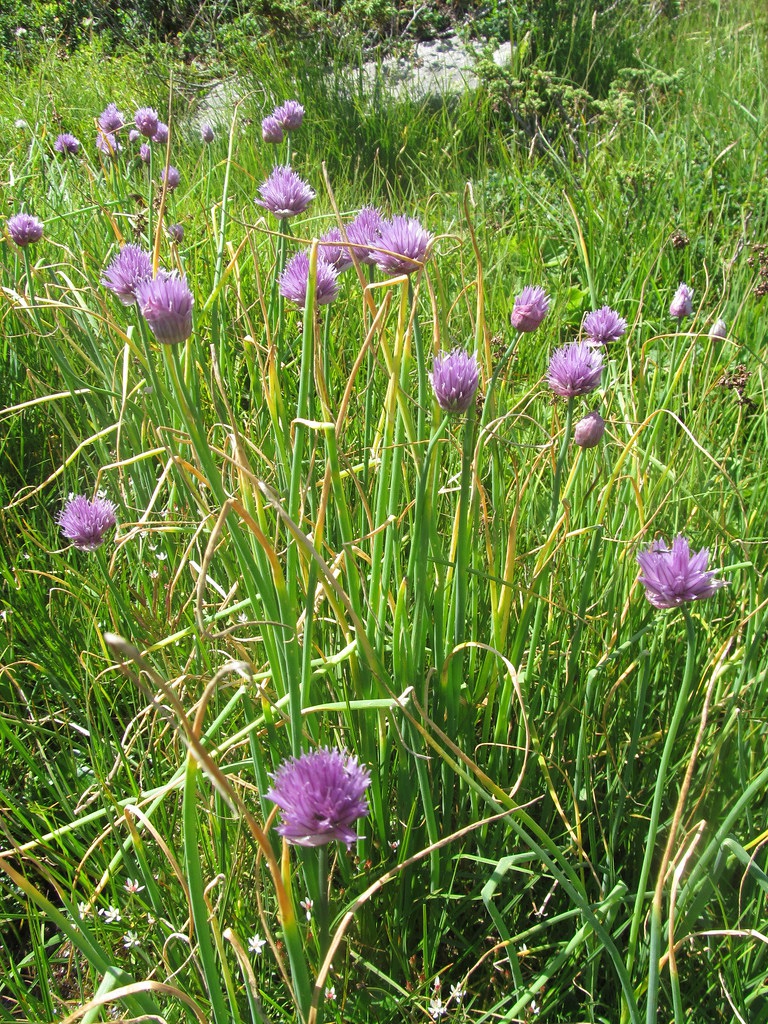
<point x="568" y="791"/>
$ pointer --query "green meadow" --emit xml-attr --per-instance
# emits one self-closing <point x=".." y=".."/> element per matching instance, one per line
<point x="566" y="799"/>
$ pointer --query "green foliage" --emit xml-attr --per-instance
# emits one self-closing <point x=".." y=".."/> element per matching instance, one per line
<point x="308" y="553"/>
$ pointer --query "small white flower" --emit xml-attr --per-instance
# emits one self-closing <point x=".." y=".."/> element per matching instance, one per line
<point x="110" y="916"/>
<point x="132" y="885"/>
<point x="20" y="31"/>
<point x="256" y="944"/>
<point x="307" y="904"/>
<point x="457" y="993"/>
<point x="84" y="909"/>
<point x="330" y="994"/>
<point x="242" y="617"/>
<point x="154" y="574"/>
<point x="131" y="940"/>
<point x="437" y="1009"/>
<point x="161" y="556"/>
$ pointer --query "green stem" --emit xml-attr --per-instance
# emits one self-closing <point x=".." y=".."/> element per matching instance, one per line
<point x="681" y="706"/>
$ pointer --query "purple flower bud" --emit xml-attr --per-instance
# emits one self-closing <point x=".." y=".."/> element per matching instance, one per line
<point x="24" y="228"/>
<point x="589" y="431"/>
<point x="131" y="266"/>
<point x="85" y="522"/>
<point x="111" y="119"/>
<point x="166" y="304"/>
<point x="67" y="144"/>
<point x="161" y="134"/>
<point x="454" y="378"/>
<point x="334" y="251"/>
<point x="719" y="329"/>
<point x="293" y="280"/>
<point x="147" y="121"/>
<point x="575" y="369"/>
<point x="284" y="194"/>
<point x="321" y="795"/>
<point x="604" y="325"/>
<point x="170" y="178"/>
<point x="134" y="135"/>
<point x="206" y="133"/>
<point x="108" y="144"/>
<point x="403" y="245"/>
<point x="674" y="577"/>
<point x="530" y="308"/>
<point x="364" y="232"/>
<point x="289" y="116"/>
<point x="271" y="130"/>
<point x="176" y="233"/>
<point x="144" y="152"/>
<point x="682" y="304"/>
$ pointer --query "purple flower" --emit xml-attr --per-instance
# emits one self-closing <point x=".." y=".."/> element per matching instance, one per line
<point x="454" y="378"/>
<point x="604" y="325"/>
<point x="206" y="133"/>
<point x="321" y="795"/>
<point x="144" y="152"/>
<point x="364" y="232"/>
<point x="575" y="369"/>
<point x="289" y="116"/>
<point x="719" y="329"/>
<point x="107" y="144"/>
<point x="334" y="251"/>
<point x="293" y="280"/>
<point x="134" y="135"/>
<point x="271" y="130"/>
<point x="170" y="177"/>
<point x="166" y="303"/>
<point x="682" y="304"/>
<point x="111" y="119"/>
<point x="147" y="121"/>
<point x="85" y="522"/>
<point x="530" y="308"/>
<point x="161" y="135"/>
<point x="403" y="245"/>
<point x="589" y="431"/>
<point x="67" y="144"/>
<point x="672" y="578"/>
<point x="284" y="193"/>
<point x="131" y="266"/>
<point x="176" y="233"/>
<point x="24" y="228"/>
